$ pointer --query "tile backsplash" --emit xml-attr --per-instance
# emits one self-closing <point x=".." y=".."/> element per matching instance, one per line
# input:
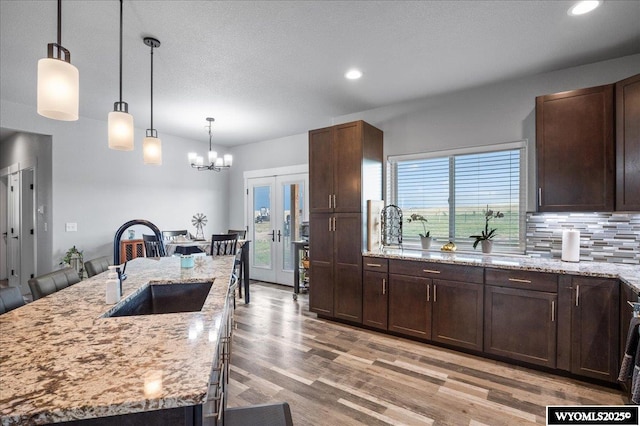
<point x="604" y="237"/>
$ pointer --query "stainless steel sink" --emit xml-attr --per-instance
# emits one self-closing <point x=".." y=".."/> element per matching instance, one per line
<point x="165" y="299"/>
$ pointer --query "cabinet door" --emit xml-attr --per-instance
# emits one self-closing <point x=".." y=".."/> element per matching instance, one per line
<point x="321" y="264"/>
<point x="595" y="328"/>
<point x="575" y="150"/>
<point x="374" y="299"/>
<point x="347" y="249"/>
<point x="628" y="144"/>
<point x="410" y="305"/>
<point x="520" y="324"/>
<point x="320" y="170"/>
<point x="347" y="178"/>
<point x="457" y="314"/>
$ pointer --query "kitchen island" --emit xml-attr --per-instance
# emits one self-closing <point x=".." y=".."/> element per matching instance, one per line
<point x="62" y="358"/>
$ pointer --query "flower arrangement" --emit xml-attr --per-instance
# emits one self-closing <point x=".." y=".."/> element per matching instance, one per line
<point x="487" y="234"/>
<point x="419" y="218"/>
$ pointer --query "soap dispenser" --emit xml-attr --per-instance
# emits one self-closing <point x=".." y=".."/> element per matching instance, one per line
<point x="113" y="286"/>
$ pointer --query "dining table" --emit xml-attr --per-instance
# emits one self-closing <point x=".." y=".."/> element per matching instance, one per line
<point x="186" y="246"/>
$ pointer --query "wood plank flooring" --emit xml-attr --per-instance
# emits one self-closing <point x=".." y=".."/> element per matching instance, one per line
<point x="334" y="374"/>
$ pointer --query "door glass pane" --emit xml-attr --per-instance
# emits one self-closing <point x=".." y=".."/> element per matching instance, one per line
<point x="292" y="207"/>
<point x="262" y="226"/>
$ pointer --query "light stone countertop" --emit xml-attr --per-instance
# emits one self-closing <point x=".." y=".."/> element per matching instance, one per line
<point x="629" y="274"/>
<point x="60" y="359"/>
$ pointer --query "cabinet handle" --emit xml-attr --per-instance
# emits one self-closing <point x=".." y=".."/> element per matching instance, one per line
<point x="374" y="265"/>
<point x="518" y="280"/>
<point x="329" y="224"/>
<point x="430" y="271"/>
<point x="578" y="295"/>
<point x="428" y="291"/>
<point x="329" y="200"/>
<point x="384" y="286"/>
<point x="540" y="196"/>
<point x="435" y="293"/>
<point x="334" y="224"/>
<point x="334" y="201"/>
<point x="553" y="311"/>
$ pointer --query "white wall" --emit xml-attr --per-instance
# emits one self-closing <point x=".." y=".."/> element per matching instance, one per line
<point x="100" y="189"/>
<point x="500" y="112"/>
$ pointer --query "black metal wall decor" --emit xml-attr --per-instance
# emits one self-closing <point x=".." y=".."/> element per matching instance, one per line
<point x="391" y="222"/>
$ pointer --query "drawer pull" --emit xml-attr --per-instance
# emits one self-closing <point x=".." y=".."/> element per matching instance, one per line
<point x="430" y="271"/>
<point x="518" y="280"/>
<point x="374" y="265"/>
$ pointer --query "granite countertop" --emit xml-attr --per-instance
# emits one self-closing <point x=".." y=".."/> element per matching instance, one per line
<point x="629" y="274"/>
<point x="60" y="359"/>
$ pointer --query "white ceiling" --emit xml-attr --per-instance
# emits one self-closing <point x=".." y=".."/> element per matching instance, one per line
<point x="268" y="69"/>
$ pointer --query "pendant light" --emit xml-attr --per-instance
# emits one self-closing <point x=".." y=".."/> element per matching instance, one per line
<point x="58" y="81"/>
<point x="120" y="122"/>
<point x="215" y="163"/>
<point x="152" y="146"/>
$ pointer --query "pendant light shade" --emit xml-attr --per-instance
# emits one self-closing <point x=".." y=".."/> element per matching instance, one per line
<point x="120" y="122"/>
<point x="152" y="150"/>
<point x="58" y="81"/>
<point x="151" y="145"/>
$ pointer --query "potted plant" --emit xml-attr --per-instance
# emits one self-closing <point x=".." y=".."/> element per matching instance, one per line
<point x="425" y="239"/>
<point x="486" y="236"/>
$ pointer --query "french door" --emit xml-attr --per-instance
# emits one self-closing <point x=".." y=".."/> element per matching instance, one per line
<point x="276" y="207"/>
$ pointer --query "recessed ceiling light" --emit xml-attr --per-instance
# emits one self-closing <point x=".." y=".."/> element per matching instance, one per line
<point x="582" y="7"/>
<point x="353" y="74"/>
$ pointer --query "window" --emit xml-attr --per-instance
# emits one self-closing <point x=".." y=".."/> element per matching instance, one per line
<point x="453" y="189"/>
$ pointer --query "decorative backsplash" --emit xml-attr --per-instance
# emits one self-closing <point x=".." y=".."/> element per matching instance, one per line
<point x="604" y="237"/>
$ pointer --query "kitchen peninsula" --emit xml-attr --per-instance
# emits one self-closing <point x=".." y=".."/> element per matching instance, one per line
<point x="64" y="359"/>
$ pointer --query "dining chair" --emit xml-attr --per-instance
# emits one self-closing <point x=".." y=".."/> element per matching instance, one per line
<point x="170" y="236"/>
<point x="47" y="284"/>
<point x="97" y="265"/>
<point x="152" y="247"/>
<point x="11" y="298"/>
<point x="223" y="244"/>
<point x="242" y="233"/>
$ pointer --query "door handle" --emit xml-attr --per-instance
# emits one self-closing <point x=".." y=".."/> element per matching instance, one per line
<point x="15" y="238"/>
<point x="279" y="235"/>
<point x="273" y="235"/>
<point x="384" y="286"/>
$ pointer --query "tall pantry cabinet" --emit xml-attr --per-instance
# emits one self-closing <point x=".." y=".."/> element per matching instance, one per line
<point x="345" y="170"/>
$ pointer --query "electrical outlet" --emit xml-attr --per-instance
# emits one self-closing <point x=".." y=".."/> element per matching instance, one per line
<point x="71" y="227"/>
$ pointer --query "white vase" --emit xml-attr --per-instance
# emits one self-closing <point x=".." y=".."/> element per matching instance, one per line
<point x="487" y="246"/>
<point x="426" y="242"/>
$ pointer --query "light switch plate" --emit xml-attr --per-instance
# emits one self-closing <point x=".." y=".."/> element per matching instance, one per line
<point x="71" y="227"/>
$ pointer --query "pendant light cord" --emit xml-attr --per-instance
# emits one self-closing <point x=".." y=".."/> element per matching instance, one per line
<point x="59" y="22"/>
<point x="151" y="87"/>
<point x="120" y="51"/>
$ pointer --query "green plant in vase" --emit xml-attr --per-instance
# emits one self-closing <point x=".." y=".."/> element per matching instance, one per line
<point x="425" y="238"/>
<point x="486" y="236"/>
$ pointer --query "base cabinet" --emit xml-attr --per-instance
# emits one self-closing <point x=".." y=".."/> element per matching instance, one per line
<point x="409" y="305"/>
<point x="521" y="324"/>
<point x="375" y="293"/>
<point x="595" y="328"/>
<point x="456" y="315"/>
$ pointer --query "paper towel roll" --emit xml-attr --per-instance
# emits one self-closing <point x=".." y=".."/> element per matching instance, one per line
<point x="571" y="245"/>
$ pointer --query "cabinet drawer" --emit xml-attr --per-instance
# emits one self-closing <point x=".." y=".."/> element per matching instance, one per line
<point x="375" y="264"/>
<point x="468" y="274"/>
<point x="528" y="280"/>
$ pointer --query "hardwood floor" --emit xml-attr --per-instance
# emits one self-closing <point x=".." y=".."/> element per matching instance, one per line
<point x="334" y="374"/>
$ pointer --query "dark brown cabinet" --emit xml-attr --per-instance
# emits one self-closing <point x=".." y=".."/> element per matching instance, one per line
<point x="409" y="305"/>
<point x="437" y="302"/>
<point x="520" y="315"/>
<point x="345" y="162"/>
<point x="575" y="150"/>
<point x="375" y="292"/>
<point x="595" y="327"/>
<point x="457" y="314"/>
<point x="345" y="165"/>
<point x="628" y="144"/>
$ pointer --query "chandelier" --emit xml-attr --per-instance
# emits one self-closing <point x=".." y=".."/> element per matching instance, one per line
<point x="215" y="163"/>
